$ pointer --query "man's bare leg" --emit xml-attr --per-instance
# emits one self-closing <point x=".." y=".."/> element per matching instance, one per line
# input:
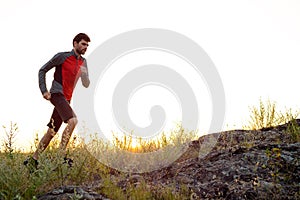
<point x="67" y="133"/>
<point x="44" y="142"/>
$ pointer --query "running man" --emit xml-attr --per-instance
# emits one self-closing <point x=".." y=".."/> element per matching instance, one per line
<point x="69" y="67"/>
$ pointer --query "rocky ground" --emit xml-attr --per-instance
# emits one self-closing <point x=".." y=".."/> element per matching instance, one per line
<point x="262" y="164"/>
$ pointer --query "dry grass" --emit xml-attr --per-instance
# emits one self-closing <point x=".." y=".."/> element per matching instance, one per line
<point x="17" y="183"/>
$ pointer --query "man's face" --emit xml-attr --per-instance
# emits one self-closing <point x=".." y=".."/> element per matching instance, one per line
<point x="81" y="47"/>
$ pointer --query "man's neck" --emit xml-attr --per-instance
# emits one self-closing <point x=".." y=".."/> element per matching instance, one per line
<point x="76" y="53"/>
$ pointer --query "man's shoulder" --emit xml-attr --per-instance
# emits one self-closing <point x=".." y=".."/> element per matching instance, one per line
<point x="64" y="53"/>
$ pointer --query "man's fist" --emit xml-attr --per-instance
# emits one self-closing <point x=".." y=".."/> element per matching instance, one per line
<point x="47" y="95"/>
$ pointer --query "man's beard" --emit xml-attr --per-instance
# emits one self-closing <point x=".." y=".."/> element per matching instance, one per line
<point x="82" y="52"/>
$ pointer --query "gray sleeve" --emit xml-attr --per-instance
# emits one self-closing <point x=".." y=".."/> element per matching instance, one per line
<point x="55" y="61"/>
<point x="85" y="76"/>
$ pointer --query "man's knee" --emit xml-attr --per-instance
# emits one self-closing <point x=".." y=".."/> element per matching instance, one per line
<point x="73" y="121"/>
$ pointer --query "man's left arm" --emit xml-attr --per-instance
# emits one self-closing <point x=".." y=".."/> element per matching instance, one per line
<point x="85" y="75"/>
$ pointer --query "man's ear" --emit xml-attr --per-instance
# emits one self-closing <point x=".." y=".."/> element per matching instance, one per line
<point x="75" y="43"/>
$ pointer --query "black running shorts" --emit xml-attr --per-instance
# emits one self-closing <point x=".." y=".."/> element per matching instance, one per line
<point x="62" y="111"/>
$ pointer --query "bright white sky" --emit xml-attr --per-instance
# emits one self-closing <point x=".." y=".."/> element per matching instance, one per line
<point x="254" y="44"/>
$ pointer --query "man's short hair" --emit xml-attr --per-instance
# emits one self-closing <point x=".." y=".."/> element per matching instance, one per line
<point x="81" y="36"/>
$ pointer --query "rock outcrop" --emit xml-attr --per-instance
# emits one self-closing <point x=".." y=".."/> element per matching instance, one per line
<point x="243" y="165"/>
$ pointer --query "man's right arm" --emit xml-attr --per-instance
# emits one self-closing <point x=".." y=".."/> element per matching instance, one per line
<point x="55" y="61"/>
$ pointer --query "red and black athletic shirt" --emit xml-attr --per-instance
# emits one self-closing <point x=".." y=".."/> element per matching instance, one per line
<point x="67" y="72"/>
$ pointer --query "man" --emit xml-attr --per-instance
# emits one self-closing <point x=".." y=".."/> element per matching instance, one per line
<point x="69" y="67"/>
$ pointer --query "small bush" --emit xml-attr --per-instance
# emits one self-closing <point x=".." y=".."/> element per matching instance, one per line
<point x="266" y="115"/>
<point x="263" y="116"/>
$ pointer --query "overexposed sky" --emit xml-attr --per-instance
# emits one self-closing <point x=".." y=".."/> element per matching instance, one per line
<point x="254" y="44"/>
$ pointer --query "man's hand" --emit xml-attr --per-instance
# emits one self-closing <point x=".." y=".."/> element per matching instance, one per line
<point x="47" y="95"/>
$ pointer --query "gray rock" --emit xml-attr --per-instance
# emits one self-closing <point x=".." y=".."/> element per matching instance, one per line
<point x="71" y="192"/>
